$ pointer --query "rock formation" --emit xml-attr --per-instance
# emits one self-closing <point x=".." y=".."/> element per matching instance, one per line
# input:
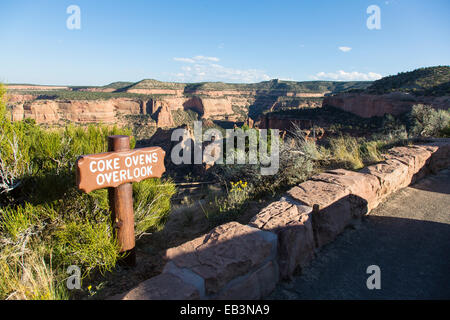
<point x="165" y="119"/>
<point x="48" y="111"/>
<point x="370" y="105"/>
<point x="227" y="102"/>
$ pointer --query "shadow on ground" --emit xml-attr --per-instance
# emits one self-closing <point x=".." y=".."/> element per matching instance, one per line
<point x="413" y="256"/>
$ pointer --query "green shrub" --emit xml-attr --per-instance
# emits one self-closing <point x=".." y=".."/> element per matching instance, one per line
<point x="445" y="132"/>
<point x="30" y="277"/>
<point x="14" y="157"/>
<point x="87" y="245"/>
<point x="151" y="204"/>
<point x="427" y="121"/>
<point x="370" y="152"/>
<point x="346" y="151"/>
<point x="14" y="222"/>
<point x="59" y="226"/>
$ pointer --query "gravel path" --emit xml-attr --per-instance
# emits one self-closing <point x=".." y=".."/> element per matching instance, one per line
<point x="408" y="237"/>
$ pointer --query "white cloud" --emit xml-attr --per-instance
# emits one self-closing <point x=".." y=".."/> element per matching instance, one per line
<point x="203" y="58"/>
<point x="198" y="59"/>
<point x="347" y="76"/>
<point x="345" y="49"/>
<point x="188" y="60"/>
<point x="202" y="68"/>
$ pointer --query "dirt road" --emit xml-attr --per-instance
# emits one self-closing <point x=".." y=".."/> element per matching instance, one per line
<point x="408" y="237"/>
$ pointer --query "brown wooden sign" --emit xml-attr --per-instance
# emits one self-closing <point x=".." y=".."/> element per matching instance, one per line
<point x="112" y="169"/>
<point x="116" y="170"/>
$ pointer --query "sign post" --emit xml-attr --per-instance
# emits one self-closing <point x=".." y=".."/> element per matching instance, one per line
<point x="116" y="170"/>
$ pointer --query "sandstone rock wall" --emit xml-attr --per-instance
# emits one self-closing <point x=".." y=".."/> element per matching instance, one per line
<point x="165" y="119"/>
<point x="106" y="111"/>
<point x="367" y="105"/>
<point x="214" y="104"/>
<point x="81" y="111"/>
<point x="239" y="262"/>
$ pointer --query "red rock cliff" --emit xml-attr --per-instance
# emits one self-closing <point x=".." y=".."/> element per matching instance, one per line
<point x="369" y="105"/>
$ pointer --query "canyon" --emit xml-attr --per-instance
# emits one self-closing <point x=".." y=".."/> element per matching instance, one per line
<point x="267" y="103"/>
<point x="49" y="111"/>
<point x="215" y="105"/>
<point x="160" y="101"/>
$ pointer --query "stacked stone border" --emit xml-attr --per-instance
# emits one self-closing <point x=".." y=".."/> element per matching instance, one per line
<point x="245" y="262"/>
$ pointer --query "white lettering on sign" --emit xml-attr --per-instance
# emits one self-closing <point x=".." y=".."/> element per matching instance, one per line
<point x="109" y="170"/>
<point x="112" y="169"/>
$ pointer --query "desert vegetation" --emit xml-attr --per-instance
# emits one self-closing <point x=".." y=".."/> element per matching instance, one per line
<point x="429" y="122"/>
<point x="64" y="95"/>
<point x="433" y="81"/>
<point x="272" y="85"/>
<point x="352" y="143"/>
<point x="46" y="225"/>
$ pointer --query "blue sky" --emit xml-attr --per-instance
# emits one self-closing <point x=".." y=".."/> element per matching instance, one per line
<point x="209" y="40"/>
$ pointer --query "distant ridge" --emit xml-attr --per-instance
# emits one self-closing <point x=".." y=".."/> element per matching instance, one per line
<point x="292" y="86"/>
<point x="264" y="86"/>
<point x="430" y="81"/>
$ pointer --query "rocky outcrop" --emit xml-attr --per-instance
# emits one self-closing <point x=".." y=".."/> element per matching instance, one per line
<point x="292" y="224"/>
<point x="363" y="186"/>
<point x="228" y="105"/>
<point x="228" y="252"/>
<point x="41" y="111"/>
<point x="415" y="158"/>
<point x="46" y="111"/>
<point x="163" y="287"/>
<point x="370" y="105"/>
<point x="334" y="208"/>
<point x="80" y="111"/>
<point x="392" y="174"/>
<point x="440" y="155"/>
<point x="216" y="107"/>
<point x="19" y="98"/>
<point x="165" y="119"/>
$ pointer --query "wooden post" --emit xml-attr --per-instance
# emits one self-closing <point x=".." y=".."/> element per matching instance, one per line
<point x="117" y="170"/>
<point x="121" y="206"/>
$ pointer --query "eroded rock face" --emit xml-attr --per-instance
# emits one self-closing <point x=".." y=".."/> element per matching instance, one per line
<point x="16" y="113"/>
<point x="196" y="104"/>
<point x="165" y="119"/>
<point x="254" y="287"/>
<point x="225" y="253"/>
<point x="416" y="158"/>
<point x="318" y="192"/>
<point x="86" y="111"/>
<point x="216" y="107"/>
<point x="361" y="185"/>
<point x="209" y="107"/>
<point x="81" y="111"/>
<point x="335" y="208"/>
<point x="369" y="105"/>
<point x="46" y="111"/>
<point x="293" y="226"/>
<point x="19" y="98"/>
<point x="440" y="149"/>
<point x="392" y="174"/>
<point x="166" y="286"/>
<point x="41" y="111"/>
